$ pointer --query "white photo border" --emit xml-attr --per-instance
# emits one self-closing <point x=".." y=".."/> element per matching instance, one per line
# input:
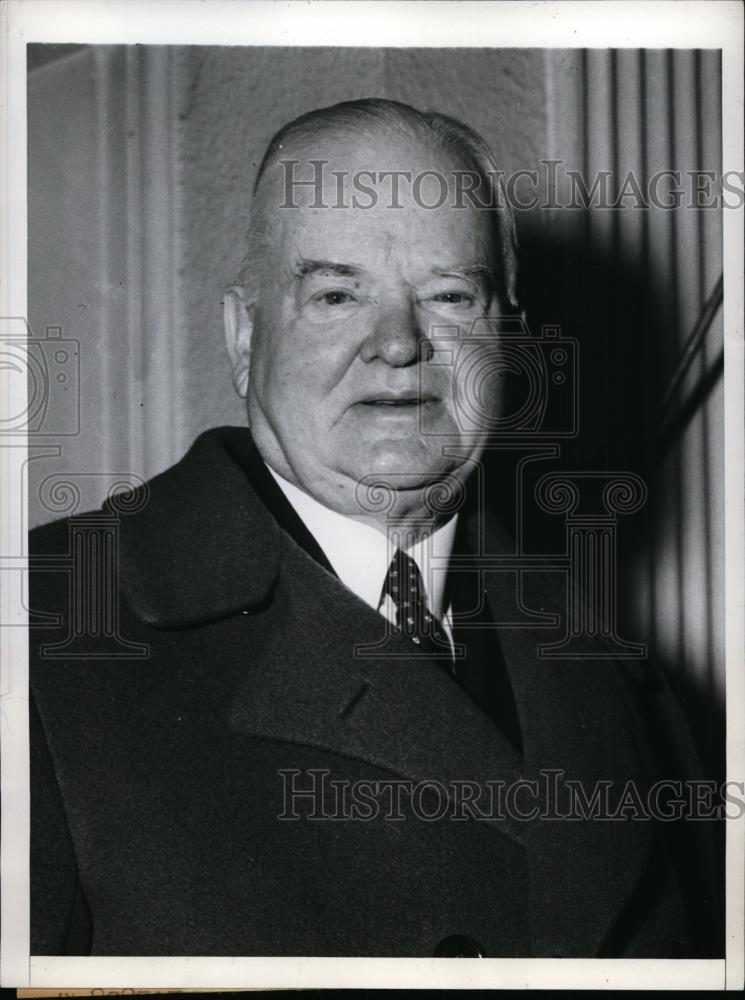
<point x="628" y="23"/>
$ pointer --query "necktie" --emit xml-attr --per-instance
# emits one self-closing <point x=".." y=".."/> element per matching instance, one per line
<point x="404" y="585"/>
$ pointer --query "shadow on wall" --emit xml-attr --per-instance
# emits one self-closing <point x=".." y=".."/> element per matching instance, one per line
<point x="623" y="332"/>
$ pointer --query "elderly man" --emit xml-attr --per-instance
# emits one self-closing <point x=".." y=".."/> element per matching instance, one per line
<point x="302" y="735"/>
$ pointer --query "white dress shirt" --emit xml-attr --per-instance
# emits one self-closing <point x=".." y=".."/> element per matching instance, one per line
<point x="361" y="554"/>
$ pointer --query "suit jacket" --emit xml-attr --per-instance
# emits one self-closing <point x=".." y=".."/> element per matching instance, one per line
<point x="168" y="725"/>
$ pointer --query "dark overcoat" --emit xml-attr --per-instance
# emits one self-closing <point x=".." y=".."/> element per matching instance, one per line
<point x="212" y="670"/>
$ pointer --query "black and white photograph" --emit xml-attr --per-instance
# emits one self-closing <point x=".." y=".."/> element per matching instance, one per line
<point x="372" y="453"/>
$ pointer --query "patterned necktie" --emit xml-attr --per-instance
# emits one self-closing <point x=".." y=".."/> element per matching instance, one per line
<point x="404" y="585"/>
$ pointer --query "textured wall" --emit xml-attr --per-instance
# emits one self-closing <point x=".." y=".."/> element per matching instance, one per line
<point x="103" y="265"/>
<point x="70" y="284"/>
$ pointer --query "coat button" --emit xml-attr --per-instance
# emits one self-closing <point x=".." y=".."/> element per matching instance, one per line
<point x="459" y="946"/>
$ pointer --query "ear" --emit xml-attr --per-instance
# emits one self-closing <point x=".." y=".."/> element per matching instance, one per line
<point x="238" y="321"/>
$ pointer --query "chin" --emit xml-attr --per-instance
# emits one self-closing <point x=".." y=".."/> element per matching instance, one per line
<point x="410" y="464"/>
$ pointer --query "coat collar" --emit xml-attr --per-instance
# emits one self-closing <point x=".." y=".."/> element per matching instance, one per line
<point x="196" y="545"/>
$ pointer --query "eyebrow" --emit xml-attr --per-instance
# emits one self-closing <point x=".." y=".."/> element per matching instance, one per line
<point x="306" y="268"/>
<point x="473" y="271"/>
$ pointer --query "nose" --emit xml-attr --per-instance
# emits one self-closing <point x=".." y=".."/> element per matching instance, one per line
<point x="398" y="337"/>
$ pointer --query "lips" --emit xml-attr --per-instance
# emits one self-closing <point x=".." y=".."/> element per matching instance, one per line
<point x="397" y="400"/>
<point x="391" y="402"/>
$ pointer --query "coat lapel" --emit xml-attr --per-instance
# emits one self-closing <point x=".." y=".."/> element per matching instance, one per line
<point x="195" y="544"/>
<point x="400" y="712"/>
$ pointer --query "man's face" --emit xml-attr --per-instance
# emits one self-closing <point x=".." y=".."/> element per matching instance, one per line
<point x="357" y="323"/>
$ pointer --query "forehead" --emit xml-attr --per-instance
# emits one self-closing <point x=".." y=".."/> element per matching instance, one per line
<point x="373" y="192"/>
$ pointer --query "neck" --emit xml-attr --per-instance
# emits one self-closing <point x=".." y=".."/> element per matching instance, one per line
<point x="399" y="514"/>
<point x="403" y="516"/>
<point x="416" y="511"/>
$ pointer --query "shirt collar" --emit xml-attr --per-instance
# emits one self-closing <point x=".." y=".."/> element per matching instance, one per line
<point x="361" y="554"/>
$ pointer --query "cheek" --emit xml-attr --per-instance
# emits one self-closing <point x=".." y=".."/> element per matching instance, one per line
<point x="478" y="386"/>
<point x="293" y="373"/>
<point x="309" y="359"/>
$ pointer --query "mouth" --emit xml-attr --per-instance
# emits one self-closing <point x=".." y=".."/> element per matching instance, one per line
<point x="398" y="400"/>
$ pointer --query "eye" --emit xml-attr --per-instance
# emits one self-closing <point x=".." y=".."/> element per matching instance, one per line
<point x="334" y="298"/>
<point x="454" y="298"/>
